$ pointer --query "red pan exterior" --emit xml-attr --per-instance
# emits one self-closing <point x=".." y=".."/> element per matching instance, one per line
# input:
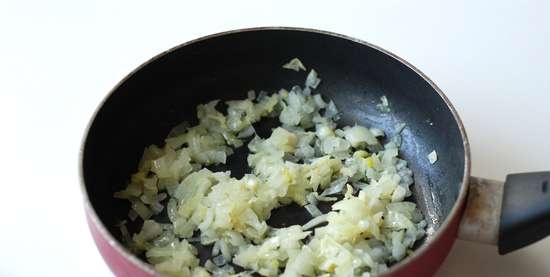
<point x="424" y="262"/>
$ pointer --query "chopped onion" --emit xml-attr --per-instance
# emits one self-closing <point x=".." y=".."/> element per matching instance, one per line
<point x="376" y="132"/>
<point x="384" y="106"/>
<point x="319" y="101"/>
<point x="331" y="111"/>
<point x="358" y="135"/>
<point x="335" y="187"/>
<point x="315" y="221"/>
<point x="132" y="215"/>
<point x="369" y="226"/>
<point x="313" y="210"/>
<point x="142" y="210"/>
<point x="295" y="64"/>
<point x="124" y="231"/>
<point x="312" y="80"/>
<point x="249" y="131"/>
<point x="398" y="194"/>
<point x="359" y="185"/>
<point x="326" y="198"/>
<point x="157" y="208"/>
<point x="312" y="198"/>
<point x="219" y="260"/>
<point x="432" y="157"/>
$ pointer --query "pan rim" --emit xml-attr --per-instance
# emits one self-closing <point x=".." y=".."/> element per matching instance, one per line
<point x="417" y="254"/>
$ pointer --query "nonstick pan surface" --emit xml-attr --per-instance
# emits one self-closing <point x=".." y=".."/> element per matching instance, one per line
<point x="165" y="91"/>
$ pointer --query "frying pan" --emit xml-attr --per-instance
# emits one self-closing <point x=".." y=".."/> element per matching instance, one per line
<point x="165" y="90"/>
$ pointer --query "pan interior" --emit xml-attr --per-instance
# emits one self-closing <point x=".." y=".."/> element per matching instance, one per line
<point x="165" y="92"/>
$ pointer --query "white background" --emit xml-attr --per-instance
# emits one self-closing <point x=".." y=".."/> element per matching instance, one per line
<point x="58" y="59"/>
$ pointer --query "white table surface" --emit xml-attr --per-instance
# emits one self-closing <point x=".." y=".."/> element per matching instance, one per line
<point x="58" y="59"/>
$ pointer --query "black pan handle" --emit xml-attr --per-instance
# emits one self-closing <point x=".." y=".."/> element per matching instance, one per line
<point x="525" y="213"/>
<point x="510" y="214"/>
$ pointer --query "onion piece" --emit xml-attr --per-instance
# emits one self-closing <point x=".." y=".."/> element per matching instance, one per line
<point x="319" y="101"/>
<point x="331" y="112"/>
<point x="295" y="64"/>
<point x="315" y="221"/>
<point x="359" y="136"/>
<point x="124" y="231"/>
<point x="359" y="185"/>
<point x="377" y="132"/>
<point x="132" y="215"/>
<point x="219" y="260"/>
<point x="315" y="198"/>
<point x="312" y="80"/>
<point x="384" y="105"/>
<point x="335" y="187"/>
<point x="432" y="157"/>
<point x="312" y="198"/>
<point x="313" y="210"/>
<point x="249" y="131"/>
<point x="157" y="208"/>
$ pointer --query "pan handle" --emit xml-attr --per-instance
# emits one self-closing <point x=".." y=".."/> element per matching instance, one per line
<point x="481" y="217"/>
<point x="510" y="214"/>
